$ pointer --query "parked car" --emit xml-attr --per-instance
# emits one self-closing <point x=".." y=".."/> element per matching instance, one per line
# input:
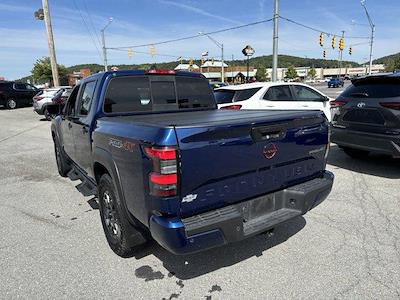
<point x="217" y="84"/>
<point x="272" y="96"/>
<point x="45" y="97"/>
<point x="16" y="94"/>
<point x="335" y="82"/>
<point x="165" y="163"/>
<point x="366" y="116"/>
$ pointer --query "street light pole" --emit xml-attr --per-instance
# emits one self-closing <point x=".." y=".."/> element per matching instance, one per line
<point x="372" y="25"/>
<point x="104" y="44"/>
<point x="275" y="43"/>
<point x="50" y="41"/>
<point x="221" y="46"/>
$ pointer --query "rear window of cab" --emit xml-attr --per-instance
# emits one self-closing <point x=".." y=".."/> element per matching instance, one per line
<point x="130" y="94"/>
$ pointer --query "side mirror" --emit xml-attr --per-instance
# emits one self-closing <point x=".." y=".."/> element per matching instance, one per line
<point x="326" y="99"/>
<point x="54" y="109"/>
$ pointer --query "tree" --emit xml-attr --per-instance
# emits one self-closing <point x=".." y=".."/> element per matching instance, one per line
<point x="261" y="74"/>
<point x="41" y="71"/>
<point x="291" y="73"/>
<point x="312" y="73"/>
<point x="393" y="64"/>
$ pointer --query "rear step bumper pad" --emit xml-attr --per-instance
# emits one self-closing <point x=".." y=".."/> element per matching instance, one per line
<point x="239" y="221"/>
<point x="374" y="142"/>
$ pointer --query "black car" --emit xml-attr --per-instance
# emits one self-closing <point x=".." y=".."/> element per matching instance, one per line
<point x="366" y="116"/>
<point x="16" y="94"/>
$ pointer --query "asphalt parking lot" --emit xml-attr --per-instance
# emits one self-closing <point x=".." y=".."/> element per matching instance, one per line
<point x="52" y="244"/>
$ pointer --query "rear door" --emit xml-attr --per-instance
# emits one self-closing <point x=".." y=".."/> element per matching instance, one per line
<point x="247" y="156"/>
<point x="68" y="117"/>
<point x="81" y="126"/>
<point x="371" y="105"/>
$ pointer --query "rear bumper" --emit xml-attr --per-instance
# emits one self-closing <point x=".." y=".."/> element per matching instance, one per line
<point x="379" y="143"/>
<point x="239" y="221"/>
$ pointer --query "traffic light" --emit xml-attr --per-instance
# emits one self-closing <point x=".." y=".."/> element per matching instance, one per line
<point x="341" y="44"/>
<point x="152" y="51"/>
<point x="350" y="50"/>
<point x="130" y="52"/>
<point x="321" y="39"/>
<point x="324" y="54"/>
<point x="333" y="42"/>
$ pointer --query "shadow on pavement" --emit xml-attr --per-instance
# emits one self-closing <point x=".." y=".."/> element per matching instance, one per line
<point x="194" y="265"/>
<point x="373" y="164"/>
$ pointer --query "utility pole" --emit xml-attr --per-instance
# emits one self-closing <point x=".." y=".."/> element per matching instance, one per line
<point x="103" y="40"/>
<point x="341" y="56"/>
<point x="275" y="44"/>
<point x="50" y="41"/>
<point x="372" y="25"/>
<point x="221" y="46"/>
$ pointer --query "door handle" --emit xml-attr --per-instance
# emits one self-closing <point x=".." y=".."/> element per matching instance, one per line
<point x="305" y="106"/>
<point x="69" y="125"/>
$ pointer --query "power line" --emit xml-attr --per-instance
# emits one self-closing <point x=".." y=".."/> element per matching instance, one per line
<point x="91" y="22"/>
<point x="319" y="30"/>
<point x="192" y="36"/>
<point x="88" y="30"/>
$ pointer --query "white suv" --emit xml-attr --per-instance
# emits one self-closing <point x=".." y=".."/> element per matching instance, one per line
<point x="272" y="96"/>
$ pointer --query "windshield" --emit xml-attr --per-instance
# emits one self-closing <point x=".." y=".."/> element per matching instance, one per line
<point x="161" y="93"/>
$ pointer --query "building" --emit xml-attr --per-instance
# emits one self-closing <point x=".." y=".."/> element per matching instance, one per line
<point x="329" y="72"/>
<point x="187" y="67"/>
<point x="76" y="77"/>
<point x="212" y="70"/>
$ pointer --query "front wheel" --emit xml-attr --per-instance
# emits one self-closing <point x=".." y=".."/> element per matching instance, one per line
<point x="11" y="103"/>
<point x="121" y="236"/>
<point x="47" y="115"/>
<point x="355" y="153"/>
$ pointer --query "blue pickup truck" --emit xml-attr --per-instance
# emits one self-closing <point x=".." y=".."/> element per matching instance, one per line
<point x="167" y="165"/>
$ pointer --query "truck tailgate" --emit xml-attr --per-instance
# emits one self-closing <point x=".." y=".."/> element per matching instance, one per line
<point x="246" y="154"/>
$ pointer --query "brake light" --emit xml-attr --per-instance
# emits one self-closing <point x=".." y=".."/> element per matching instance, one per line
<point x="163" y="179"/>
<point x="234" y="107"/>
<point x="337" y="103"/>
<point x="161" y="72"/>
<point x="391" y="105"/>
<point x="37" y="98"/>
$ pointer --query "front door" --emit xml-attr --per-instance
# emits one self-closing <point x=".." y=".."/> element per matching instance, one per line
<point x="310" y="99"/>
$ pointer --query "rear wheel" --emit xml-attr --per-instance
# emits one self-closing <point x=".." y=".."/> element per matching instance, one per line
<point x="355" y="153"/>
<point x="63" y="166"/>
<point x="11" y="103"/>
<point x="121" y="236"/>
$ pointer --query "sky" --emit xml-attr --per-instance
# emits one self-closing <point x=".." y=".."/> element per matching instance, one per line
<point x="77" y="25"/>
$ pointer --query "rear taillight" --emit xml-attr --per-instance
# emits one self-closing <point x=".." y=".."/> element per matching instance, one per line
<point x="391" y="105"/>
<point x="163" y="178"/>
<point x="37" y="98"/>
<point x="337" y="103"/>
<point x="235" y="107"/>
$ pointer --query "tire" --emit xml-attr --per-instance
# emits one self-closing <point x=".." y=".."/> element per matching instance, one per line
<point x="11" y="103"/>
<point x="122" y="237"/>
<point x="46" y="114"/>
<point x="63" y="166"/>
<point x="355" y="153"/>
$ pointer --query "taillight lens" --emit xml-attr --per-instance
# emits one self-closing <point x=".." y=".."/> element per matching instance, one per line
<point x="235" y="107"/>
<point x="391" y="105"/>
<point x="37" y="98"/>
<point x="337" y="103"/>
<point x="164" y="179"/>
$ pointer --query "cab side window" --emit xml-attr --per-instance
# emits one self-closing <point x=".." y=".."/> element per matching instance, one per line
<point x="86" y="98"/>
